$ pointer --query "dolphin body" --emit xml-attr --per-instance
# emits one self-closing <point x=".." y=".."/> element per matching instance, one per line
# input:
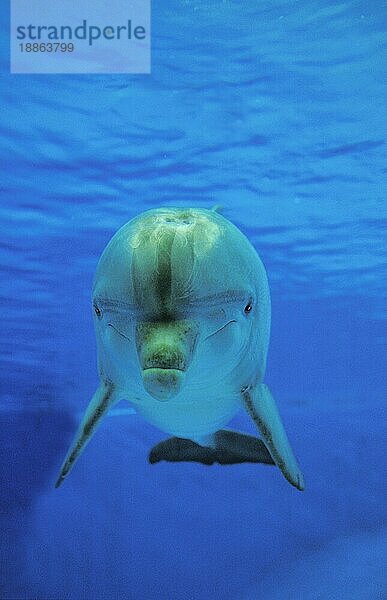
<point x="182" y="319"/>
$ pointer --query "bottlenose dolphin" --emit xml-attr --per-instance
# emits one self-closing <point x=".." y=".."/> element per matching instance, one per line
<point x="181" y="310"/>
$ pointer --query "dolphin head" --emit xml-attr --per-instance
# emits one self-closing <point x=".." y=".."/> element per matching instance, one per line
<point x="178" y="299"/>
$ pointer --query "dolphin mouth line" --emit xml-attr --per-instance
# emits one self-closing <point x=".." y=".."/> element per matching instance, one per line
<point x="220" y="328"/>
<point x="164" y="369"/>
<point x="118" y="331"/>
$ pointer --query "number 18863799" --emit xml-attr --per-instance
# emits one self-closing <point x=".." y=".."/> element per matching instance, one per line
<point x="47" y="47"/>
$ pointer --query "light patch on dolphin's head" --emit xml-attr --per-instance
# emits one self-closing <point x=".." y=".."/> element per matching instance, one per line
<point x="169" y="249"/>
<point x="190" y="226"/>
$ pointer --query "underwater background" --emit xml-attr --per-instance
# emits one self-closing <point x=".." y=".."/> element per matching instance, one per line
<point x="277" y="111"/>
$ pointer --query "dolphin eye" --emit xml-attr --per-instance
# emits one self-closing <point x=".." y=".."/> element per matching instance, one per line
<point x="98" y="311"/>
<point x="248" y="308"/>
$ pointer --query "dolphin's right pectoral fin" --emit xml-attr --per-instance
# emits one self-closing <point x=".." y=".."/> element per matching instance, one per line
<point x="261" y="406"/>
<point x="104" y="397"/>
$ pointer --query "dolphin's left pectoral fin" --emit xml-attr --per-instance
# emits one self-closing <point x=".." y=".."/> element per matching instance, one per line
<point x="261" y="406"/>
<point x="104" y="397"/>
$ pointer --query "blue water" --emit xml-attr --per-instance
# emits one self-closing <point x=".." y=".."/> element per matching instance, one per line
<point x="277" y="111"/>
